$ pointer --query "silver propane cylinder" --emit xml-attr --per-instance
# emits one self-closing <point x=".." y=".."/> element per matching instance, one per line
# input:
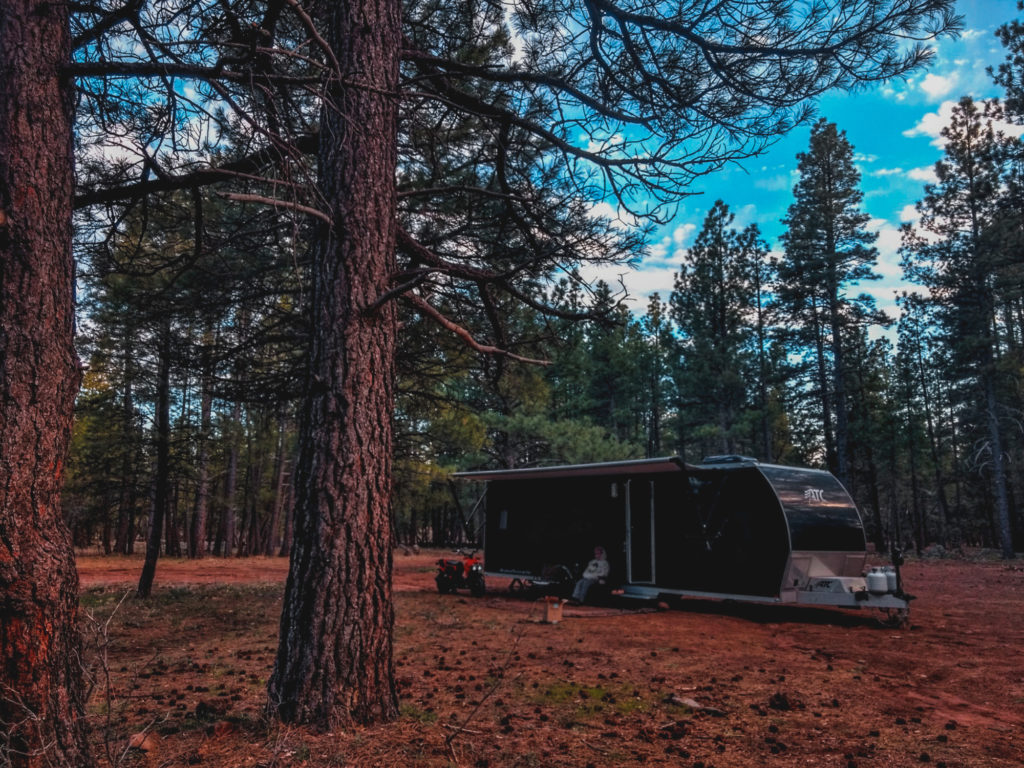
<point x="877" y="582"/>
<point x="891" y="579"/>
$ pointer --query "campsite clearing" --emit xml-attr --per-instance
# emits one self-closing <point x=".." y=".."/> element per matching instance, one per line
<point x="484" y="683"/>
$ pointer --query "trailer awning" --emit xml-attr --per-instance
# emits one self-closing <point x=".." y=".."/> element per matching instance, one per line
<point x="607" y="468"/>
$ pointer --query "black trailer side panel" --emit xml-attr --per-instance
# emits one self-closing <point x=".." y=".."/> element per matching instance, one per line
<point x="726" y="534"/>
<point x="536" y="524"/>
<point x="821" y="515"/>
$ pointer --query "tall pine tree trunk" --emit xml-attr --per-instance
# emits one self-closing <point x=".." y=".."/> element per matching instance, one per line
<point x="125" y="543"/>
<point x="270" y="540"/>
<point x="162" y="482"/>
<point x="1003" y="526"/>
<point x="825" y="390"/>
<point x="842" y="444"/>
<point x="197" y="531"/>
<point x="230" y="520"/>
<point x="335" y="664"/>
<point x="41" y="704"/>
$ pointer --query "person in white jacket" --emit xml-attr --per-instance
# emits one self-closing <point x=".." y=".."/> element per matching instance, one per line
<point x="596" y="572"/>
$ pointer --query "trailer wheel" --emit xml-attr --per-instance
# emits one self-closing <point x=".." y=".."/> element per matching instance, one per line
<point x="895" y="618"/>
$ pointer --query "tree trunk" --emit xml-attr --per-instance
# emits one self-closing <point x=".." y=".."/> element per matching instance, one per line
<point x="162" y="484"/>
<point x="1002" y="510"/>
<point x="231" y="485"/>
<point x="842" y="444"/>
<point x="933" y="443"/>
<point x="874" y="501"/>
<point x="335" y="664"/>
<point x="41" y="706"/>
<point x="197" y="532"/>
<point x="270" y="540"/>
<point x="824" y="394"/>
<point x="288" y="510"/>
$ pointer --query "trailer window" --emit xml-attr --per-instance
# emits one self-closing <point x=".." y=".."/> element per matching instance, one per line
<point x="503" y="520"/>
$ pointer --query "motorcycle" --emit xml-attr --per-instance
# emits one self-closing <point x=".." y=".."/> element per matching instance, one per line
<point x="465" y="573"/>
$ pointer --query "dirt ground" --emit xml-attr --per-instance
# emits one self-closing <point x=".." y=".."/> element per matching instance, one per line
<point x="484" y="683"/>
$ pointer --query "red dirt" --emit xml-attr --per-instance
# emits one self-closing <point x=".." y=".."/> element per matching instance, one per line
<point x="483" y="683"/>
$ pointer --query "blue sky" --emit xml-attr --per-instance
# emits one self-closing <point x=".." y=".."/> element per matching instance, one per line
<point x="894" y="129"/>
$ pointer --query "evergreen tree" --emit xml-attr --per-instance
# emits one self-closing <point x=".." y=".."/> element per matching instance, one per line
<point x="827" y="250"/>
<point x="760" y="275"/>
<point x="657" y="366"/>
<point x="955" y="252"/>
<point x="711" y="306"/>
<point x="42" y="701"/>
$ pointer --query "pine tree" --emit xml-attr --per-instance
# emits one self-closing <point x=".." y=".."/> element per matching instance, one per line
<point x="42" y="718"/>
<point x="759" y="273"/>
<point x="711" y="305"/>
<point x="955" y="252"/>
<point x="828" y="249"/>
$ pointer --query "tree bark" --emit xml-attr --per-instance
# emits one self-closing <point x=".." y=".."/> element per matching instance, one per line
<point x="162" y="483"/>
<point x="335" y="664"/>
<point x="197" y="532"/>
<point x="270" y="543"/>
<point x="41" y="694"/>
<point x="230" y="520"/>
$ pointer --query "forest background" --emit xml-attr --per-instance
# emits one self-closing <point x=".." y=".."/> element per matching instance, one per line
<point x="193" y="328"/>
<point x="285" y="212"/>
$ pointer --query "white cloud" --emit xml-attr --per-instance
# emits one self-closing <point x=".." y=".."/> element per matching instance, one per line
<point x="639" y="283"/>
<point x="619" y="218"/>
<point x="932" y="123"/>
<point x="888" y="172"/>
<point x="659" y="250"/>
<point x="745" y="216"/>
<point x="776" y="183"/>
<point x="937" y="86"/>
<point x="909" y="213"/>
<point x="890" y="282"/>
<point x="604" y="145"/>
<point x="925" y="174"/>
<point x="681" y="235"/>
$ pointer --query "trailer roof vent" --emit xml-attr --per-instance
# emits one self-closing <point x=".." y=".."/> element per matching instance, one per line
<point x="729" y="458"/>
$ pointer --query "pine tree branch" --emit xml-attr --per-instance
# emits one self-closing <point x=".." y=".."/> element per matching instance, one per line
<point x="305" y="144"/>
<point x="276" y="203"/>
<point x="434" y="314"/>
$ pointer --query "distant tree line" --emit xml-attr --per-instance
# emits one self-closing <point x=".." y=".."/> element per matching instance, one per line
<point x="195" y="342"/>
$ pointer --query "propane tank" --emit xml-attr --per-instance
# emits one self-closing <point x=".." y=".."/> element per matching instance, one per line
<point x="878" y="584"/>
<point x="891" y="578"/>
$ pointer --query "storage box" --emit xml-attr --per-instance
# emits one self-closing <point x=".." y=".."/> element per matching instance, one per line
<point x="552" y="610"/>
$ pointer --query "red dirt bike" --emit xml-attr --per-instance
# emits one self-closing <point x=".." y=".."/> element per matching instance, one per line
<point x="455" y="574"/>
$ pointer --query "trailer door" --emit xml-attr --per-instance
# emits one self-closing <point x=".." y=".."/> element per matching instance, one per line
<point x="640" y="531"/>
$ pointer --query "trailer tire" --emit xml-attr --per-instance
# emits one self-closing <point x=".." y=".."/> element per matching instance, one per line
<point x="896" y="618"/>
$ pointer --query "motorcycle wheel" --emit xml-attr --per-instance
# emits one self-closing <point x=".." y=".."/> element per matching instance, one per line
<point x="444" y="584"/>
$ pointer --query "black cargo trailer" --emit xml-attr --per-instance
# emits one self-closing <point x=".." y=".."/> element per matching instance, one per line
<point x="728" y="528"/>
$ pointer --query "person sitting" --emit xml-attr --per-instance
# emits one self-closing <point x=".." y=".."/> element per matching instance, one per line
<point x="596" y="572"/>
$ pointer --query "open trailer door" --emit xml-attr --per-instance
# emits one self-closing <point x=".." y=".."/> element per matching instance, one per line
<point x="640" y="531"/>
